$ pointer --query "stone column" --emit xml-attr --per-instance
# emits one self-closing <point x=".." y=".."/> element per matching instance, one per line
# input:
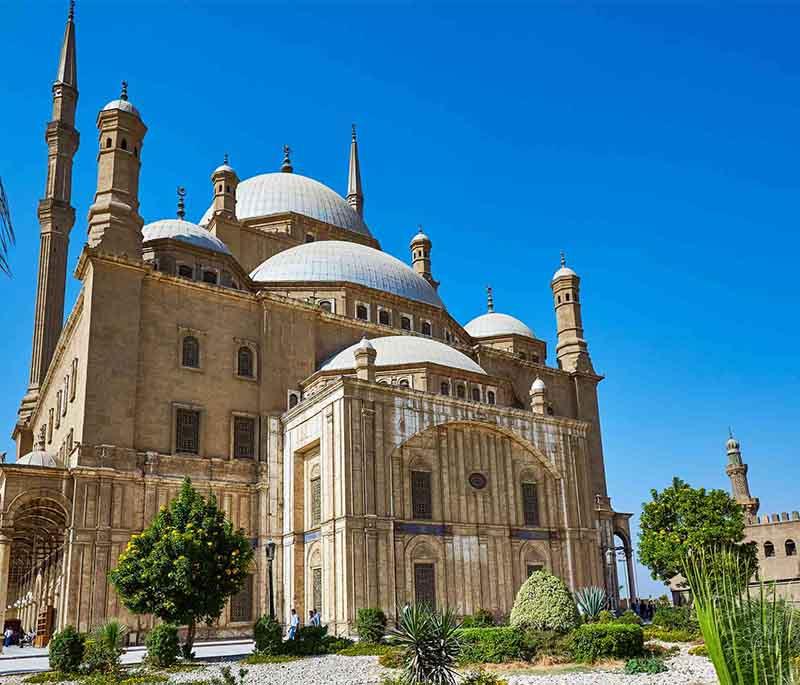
<point x="631" y="578"/>
<point x="5" y="563"/>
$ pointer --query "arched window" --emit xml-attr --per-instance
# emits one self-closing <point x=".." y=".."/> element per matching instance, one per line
<point x="426" y="328"/>
<point x="244" y="362"/>
<point x="309" y="238"/>
<point x="135" y="151"/>
<point x="315" y="495"/>
<point x="476" y="394"/>
<point x="326" y="305"/>
<point x="108" y="143"/>
<point x="210" y="277"/>
<point x="294" y="398"/>
<point x="445" y="388"/>
<point x="405" y="323"/>
<point x="421" y="495"/>
<point x="124" y="145"/>
<point x="362" y="312"/>
<point x="227" y="189"/>
<point x="535" y="358"/>
<point x="461" y="392"/>
<point x="566" y="297"/>
<point x="404" y="383"/>
<point x="490" y="398"/>
<point x="185" y="271"/>
<point x="791" y="548"/>
<point x="190" y="355"/>
<point x="769" y="549"/>
<point x="384" y="317"/>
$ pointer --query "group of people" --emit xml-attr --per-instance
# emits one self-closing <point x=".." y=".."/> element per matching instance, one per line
<point x="17" y="637"/>
<point x="314" y="619"/>
<point x="644" y="609"/>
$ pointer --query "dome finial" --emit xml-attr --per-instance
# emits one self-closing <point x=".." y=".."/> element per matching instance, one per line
<point x="124" y="92"/>
<point x="286" y="167"/>
<point x="181" y="204"/>
<point x="354" y="132"/>
<point x="225" y="159"/>
<point x="563" y="259"/>
<point x="71" y="14"/>
<point x="489" y="299"/>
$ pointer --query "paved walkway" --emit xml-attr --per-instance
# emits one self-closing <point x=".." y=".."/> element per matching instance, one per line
<point x="34" y="659"/>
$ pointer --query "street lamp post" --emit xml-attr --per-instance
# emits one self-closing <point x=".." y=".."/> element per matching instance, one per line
<point x="270" y="559"/>
<point x="610" y="557"/>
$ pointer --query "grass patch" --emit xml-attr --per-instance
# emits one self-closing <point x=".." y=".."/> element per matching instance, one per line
<point x="50" y="677"/>
<point x="365" y="649"/>
<point x="255" y="659"/>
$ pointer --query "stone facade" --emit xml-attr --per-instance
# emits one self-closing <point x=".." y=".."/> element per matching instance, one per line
<point x="446" y="478"/>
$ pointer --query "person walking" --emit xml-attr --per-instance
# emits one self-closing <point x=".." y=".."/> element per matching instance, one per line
<point x="8" y="635"/>
<point x="294" y="625"/>
<point x="317" y="619"/>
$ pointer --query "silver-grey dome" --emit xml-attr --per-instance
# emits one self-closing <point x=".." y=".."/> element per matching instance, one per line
<point x="39" y="458"/>
<point x="124" y="105"/>
<point x="336" y="261"/>
<point x="395" y="350"/>
<point x="186" y="232"/>
<point x="280" y="192"/>
<point x="495" y="323"/>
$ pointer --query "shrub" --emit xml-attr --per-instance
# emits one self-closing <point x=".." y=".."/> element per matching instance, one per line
<point x="370" y="625"/>
<point x="591" y="601"/>
<point x="482" y="618"/>
<point x="360" y="649"/>
<point x="163" y="645"/>
<point x="605" y="616"/>
<point x="431" y="645"/>
<point x="490" y="645"/>
<point x="104" y="648"/>
<point x="546" y="645"/>
<point x="544" y="603"/>
<point x="630" y="617"/>
<point x="66" y="650"/>
<point x="698" y="650"/>
<point x="310" y="640"/>
<point x="339" y="645"/>
<point x="649" y="664"/>
<point x="676" y="618"/>
<point x="663" y="651"/>
<point x="392" y="658"/>
<point x="268" y="635"/>
<point x="656" y="633"/>
<point x="594" y="641"/>
<point x="481" y="677"/>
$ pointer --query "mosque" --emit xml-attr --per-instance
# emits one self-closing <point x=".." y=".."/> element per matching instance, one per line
<point x="317" y="385"/>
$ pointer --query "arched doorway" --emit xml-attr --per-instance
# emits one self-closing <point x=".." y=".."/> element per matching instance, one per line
<point x="625" y="570"/>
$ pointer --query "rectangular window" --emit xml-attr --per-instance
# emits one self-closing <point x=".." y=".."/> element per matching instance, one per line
<point x="421" y="496"/>
<point x="242" y="602"/>
<point x="316" y="589"/>
<point x="50" y="427"/>
<point x="187" y="431"/>
<point x="244" y="437"/>
<point x="425" y="585"/>
<point x="64" y="395"/>
<point x="73" y="379"/>
<point x="533" y="568"/>
<point x="70" y="441"/>
<point x="530" y="504"/>
<point x="58" y="408"/>
<point x="316" y="501"/>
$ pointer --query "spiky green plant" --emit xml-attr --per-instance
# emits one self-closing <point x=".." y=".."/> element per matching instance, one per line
<point x="591" y="601"/>
<point x="430" y="642"/>
<point x="748" y="633"/>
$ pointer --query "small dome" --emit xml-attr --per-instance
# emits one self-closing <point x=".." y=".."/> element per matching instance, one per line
<point x="332" y="261"/>
<point x="732" y="444"/>
<point x="279" y="192"/>
<point x="495" y="323"/>
<point x="39" y="458"/>
<point x="186" y="232"/>
<point x="538" y="385"/>
<point x="563" y="271"/>
<point x="224" y="167"/>
<point x="395" y="350"/>
<point x="364" y="344"/>
<point x="122" y="105"/>
<point x="420" y="238"/>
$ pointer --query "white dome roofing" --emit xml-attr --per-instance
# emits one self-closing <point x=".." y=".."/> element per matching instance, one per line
<point x="186" y="232"/>
<point x="341" y="261"/>
<point x="563" y="271"/>
<point x="495" y="323"/>
<point x="123" y="105"/>
<point x="39" y="458"/>
<point x="281" y="192"/>
<point x="394" y="350"/>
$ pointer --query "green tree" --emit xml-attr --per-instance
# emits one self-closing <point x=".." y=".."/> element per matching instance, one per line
<point x="681" y="519"/>
<point x="185" y="565"/>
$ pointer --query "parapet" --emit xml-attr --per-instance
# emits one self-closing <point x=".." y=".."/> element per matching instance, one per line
<point x="774" y="518"/>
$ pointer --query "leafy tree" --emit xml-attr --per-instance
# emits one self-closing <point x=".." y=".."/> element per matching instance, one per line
<point x="681" y="519"/>
<point x="185" y="565"/>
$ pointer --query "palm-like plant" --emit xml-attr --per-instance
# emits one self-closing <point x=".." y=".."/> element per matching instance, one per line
<point x="112" y="635"/>
<point x="749" y="636"/>
<point x="591" y="601"/>
<point x="431" y="645"/>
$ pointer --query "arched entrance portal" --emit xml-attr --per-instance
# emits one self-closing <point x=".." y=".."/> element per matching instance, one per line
<point x="625" y="571"/>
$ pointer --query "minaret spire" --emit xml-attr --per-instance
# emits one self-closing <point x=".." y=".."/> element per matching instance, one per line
<point x="56" y="218"/>
<point x="181" y="204"/>
<point x="737" y="472"/>
<point x="489" y="299"/>
<point x="355" y="195"/>
<point x="286" y="167"/>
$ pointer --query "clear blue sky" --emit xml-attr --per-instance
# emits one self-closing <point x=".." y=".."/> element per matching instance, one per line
<point x="658" y="146"/>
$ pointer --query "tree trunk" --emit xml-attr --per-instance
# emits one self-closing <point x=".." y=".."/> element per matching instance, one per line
<point x="187" y="648"/>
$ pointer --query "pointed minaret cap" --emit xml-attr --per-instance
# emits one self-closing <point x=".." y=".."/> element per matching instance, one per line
<point x="733" y="444"/>
<point x="537" y="386"/>
<point x="67" y="74"/>
<point x="564" y="270"/>
<point x="287" y="167"/>
<point x="355" y="194"/>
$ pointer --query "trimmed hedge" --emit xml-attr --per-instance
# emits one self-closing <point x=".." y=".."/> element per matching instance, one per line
<point x="658" y="633"/>
<point x="544" y="602"/>
<point x="593" y="641"/>
<point x="676" y="618"/>
<point x="163" y="645"/>
<point x="66" y="650"/>
<point x="491" y="645"/>
<point x="482" y="618"/>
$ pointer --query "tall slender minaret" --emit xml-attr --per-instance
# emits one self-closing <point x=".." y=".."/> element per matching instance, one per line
<point x="572" y="351"/>
<point x="737" y="472"/>
<point x="355" y="195"/>
<point x="56" y="217"/>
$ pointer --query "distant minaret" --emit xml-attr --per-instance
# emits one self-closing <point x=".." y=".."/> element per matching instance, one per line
<point x="421" y="257"/>
<point x="355" y="195"/>
<point x="56" y="217"/>
<point x="737" y="472"/>
<point x="572" y="351"/>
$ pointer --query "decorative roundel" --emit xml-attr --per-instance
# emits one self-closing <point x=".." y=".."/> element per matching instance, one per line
<point x="477" y="481"/>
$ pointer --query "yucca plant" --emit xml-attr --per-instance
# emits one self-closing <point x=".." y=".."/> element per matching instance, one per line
<point x="591" y="601"/>
<point x="430" y="642"/>
<point x="748" y="633"/>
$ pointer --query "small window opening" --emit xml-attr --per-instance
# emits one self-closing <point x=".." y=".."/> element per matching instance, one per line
<point x="108" y="143"/>
<point x="461" y="392"/>
<point x="185" y="271"/>
<point x="769" y="549"/>
<point x="791" y="548"/>
<point x="362" y="312"/>
<point x="476" y="394"/>
<point x="124" y="145"/>
<point x="383" y="317"/>
<point x="445" y="388"/>
<point x="426" y="328"/>
<point x="405" y="323"/>
<point x="490" y="398"/>
<point x="210" y="277"/>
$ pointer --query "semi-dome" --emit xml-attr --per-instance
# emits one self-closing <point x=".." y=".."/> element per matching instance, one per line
<point x="278" y="192"/>
<point x="39" y="458"/>
<point x="495" y="323"/>
<point x="333" y="261"/>
<point x="186" y="232"/>
<point x="395" y="350"/>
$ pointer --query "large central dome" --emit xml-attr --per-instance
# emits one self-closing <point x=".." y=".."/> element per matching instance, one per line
<point x="337" y="261"/>
<point x="281" y="192"/>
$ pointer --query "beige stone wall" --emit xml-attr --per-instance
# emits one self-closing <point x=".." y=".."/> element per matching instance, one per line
<point x="782" y="567"/>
